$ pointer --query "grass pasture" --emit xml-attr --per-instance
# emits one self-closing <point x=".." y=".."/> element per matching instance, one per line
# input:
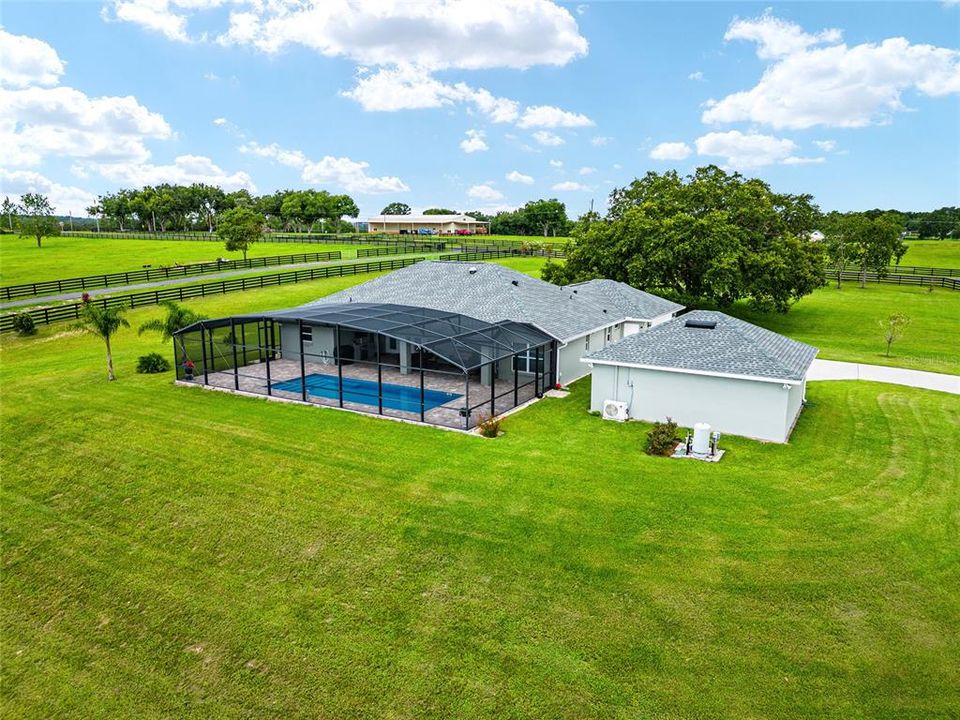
<point x="21" y="261"/>
<point x="932" y="253"/>
<point x="844" y="324"/>
<point x="177" y="552"/>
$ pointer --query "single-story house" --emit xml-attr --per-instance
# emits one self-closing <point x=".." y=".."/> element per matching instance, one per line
<point x="441" y="342"/>
<point x="438" y="224"/>
<point x="580" y="318"/>
<point x="708" y="367"/>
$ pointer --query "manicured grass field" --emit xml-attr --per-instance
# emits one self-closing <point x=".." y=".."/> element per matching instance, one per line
<point x="933" y="253"/>
<point x="174" y="552"/>
<point x="844" y="324"/>
<point x="21" y="261"/>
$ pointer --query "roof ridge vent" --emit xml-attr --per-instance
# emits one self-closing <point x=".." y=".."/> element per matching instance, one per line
<point x="701" y="324"/>
<point x="472" y="270"/>
<point x="515" y="283"/>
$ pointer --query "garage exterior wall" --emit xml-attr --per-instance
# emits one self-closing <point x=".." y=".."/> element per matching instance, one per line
<point x="570" y="366"/>
<point x="751" y="408"/>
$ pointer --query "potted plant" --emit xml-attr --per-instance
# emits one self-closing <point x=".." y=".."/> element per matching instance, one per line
<point x="188" y="367"/>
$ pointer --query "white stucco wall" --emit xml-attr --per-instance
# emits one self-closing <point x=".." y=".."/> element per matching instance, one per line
<point x="570" y="367"/>
<point x="324" y="339"/>
<point x="761" y="410"/>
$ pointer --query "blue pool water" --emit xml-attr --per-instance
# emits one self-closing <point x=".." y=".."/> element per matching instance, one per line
<point x="364" y="392"/>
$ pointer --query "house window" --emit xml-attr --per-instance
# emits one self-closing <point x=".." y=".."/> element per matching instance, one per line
<point x="587" y="344"/>
<point x="609" y="334"/>
<point x="527" y="362"/>
<point x="306" y="333"/>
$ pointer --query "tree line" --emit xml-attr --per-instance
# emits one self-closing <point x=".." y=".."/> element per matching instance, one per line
<point x="163" y="208"/>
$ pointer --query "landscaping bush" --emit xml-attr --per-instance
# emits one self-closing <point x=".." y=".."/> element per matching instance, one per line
<point x="152" y="363"/>
<point x="662" y="438"/>
<point x="490" y="426"/>
<point x="24" y="324"/>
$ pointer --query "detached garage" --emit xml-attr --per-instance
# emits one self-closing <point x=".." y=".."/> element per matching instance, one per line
<point x="706" y="367"/>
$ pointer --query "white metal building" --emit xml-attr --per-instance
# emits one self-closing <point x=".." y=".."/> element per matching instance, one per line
<point x="706" y="367"/>
<point x="439" y="224"/>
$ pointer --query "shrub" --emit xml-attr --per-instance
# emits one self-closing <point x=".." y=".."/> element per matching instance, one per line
<point x="662" y="437"/>
<point x="24" y="324"/>
<point x="490" y="426"/>
<point x="152" y="363"/>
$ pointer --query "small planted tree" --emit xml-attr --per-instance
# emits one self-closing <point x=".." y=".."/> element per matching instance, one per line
<point x="239" y="228"/>
<point x="176" y="318"/>
<point x="893" y="328"/>
<point x="104" y="323"/>
<point x="36" y="217"/>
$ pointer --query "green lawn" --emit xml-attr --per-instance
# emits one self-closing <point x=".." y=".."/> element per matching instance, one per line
<point x="933" y="253"/>
<point x="844" y="324"/>
<point x="174" y="552"/>
<point x="21" y="261"/>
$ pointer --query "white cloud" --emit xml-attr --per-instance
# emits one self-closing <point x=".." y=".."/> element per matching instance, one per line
<point x="547" y="116"/>
<point x="290" y="158"/>
<point x="485" y="192"/>
<point x="186" y="169"/>
<point x="794" y="160"/>
<point x="350" y="175"/>
<point x="519" y="177"/>
<point x="38" y="122"/>
<point x="617" y="166"/>
<point x="211" y="76"/>
<point x="547" y="138"/>
<point x="582" y="8"/>
<point x="409" y="87"/>
<point x="671" y="151"/>
<point x="600" y="140"/>
<point x="64" y="198"/>
<point x="556" y="163"/>
<point x="698" y="76"/>
<point x="777" y="38"/>
<point x="220" y="121"/>
<point x="743" y="151"/>
<point x="587" y="170"/>
<point x="156" y="15"/>
<point x="826" y="145"/>
<point x="474" y="142"/>
<point x="836" y="86"/>
<point x="27" y="61"/>
<point x="570" y="186"/>
<point x="462" y="34"/>
<point x="343" y="172"/>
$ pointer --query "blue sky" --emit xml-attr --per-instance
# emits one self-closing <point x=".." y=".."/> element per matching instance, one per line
<point x="480" y="105"/>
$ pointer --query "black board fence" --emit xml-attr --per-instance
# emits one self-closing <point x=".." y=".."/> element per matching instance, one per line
<point x="468" y="254"/>
<point x="271" y="237"/>
<point x="104" y="280"/>
<point x="72" y="311"/>
<point x="896" y="279"/>
<point x="389" y="250"/>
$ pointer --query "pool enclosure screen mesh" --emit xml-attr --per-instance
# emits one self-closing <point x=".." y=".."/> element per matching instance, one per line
<point x="440" y="367"/>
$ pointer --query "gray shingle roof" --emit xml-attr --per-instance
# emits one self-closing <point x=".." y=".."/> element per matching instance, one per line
<point x="625" y="300"/>
<point x="733" y="347"/>
<point x="490" y="292"/>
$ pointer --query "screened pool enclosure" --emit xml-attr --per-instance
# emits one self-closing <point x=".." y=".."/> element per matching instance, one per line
<point x="400" y="361"/>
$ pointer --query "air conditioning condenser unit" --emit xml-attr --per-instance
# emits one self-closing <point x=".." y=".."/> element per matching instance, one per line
<point x="615" y="410"/>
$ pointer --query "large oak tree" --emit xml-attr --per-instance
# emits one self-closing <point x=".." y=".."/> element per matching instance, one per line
<point x="709" y="238"/>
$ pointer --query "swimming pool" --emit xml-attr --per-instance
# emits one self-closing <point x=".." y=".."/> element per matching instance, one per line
<point x="364" y="392"/>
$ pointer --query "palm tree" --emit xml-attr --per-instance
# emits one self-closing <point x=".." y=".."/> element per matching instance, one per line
<point x="104" y="323"/>
<point x="177" y="318"/>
